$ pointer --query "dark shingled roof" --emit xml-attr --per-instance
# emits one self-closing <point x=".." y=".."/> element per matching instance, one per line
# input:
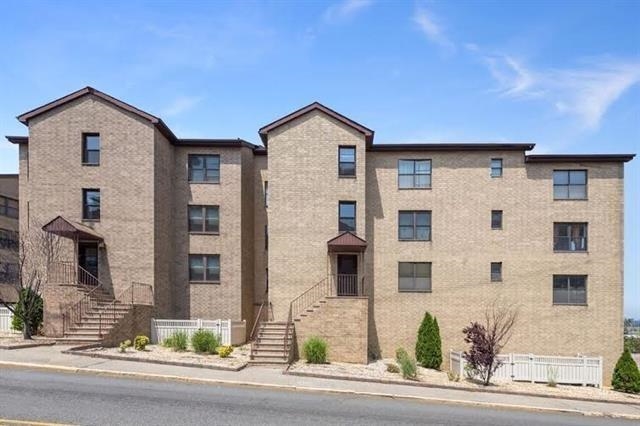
<point x="347" y="241"/>
<point x="579" y="158"/>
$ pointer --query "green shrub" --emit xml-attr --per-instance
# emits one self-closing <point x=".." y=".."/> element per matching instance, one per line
<point x="36" y="318"/>
<point x="224" y="351"/>
<point x="392" y="368"/>
<point x="428" y="343"/>
<point x="125" y="345"/>
<point x="632" y="343"/>
<point x="140" y="343"/>
<point x="626" y="376"/>
<point x="315" y="350"/>
<point x="177" y="341"/>
<point x="204" y="341"/>
<point x="407" y="364"/>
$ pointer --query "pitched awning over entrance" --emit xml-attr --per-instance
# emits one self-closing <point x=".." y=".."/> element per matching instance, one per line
<point x="68" y="229"/>
<point x="347" y="242"/>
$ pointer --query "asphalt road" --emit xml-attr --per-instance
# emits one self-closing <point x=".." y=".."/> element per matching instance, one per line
<point x="85" y="399"/>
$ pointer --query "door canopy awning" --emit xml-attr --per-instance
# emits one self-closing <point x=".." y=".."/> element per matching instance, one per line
<point x="68" y="229"/>
<point x="347" y="242"/>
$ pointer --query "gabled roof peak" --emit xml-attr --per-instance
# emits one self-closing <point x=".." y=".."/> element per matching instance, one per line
<point x="88" y="90"/>
<point x="316" y="106"/>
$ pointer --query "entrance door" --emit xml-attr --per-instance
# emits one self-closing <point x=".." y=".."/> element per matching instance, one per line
<point x="347" y="279"/>
<point x="88" y="260"/>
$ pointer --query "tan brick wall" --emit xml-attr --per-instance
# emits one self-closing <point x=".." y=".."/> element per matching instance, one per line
<point x="342" y="323"/>
<point x="125" y="178"/>
<point x="247" y="229"/>
<point x="163" y="223"/>
<point x="137" y="322"/>
<point x="209" y="301"/>
<point x="304" y="192"/>
<point x="260" y="260"/>
<point x="463" y="246"/>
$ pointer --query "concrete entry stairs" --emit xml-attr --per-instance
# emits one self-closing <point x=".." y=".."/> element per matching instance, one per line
<point x="273" y="343"/>
<point x="97" y="312"/>
<point x="319" y="311"/>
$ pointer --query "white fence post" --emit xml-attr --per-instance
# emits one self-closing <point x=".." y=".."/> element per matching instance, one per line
<point x="584" y="371"/>
<point x="511" y="366"/>
<point x="531" y="367"/>
<point x="199" y="323"/>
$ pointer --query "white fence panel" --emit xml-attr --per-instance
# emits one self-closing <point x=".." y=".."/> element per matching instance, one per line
<point x="163" y="328"/>
<point x="541" y="368"/>
<point x="6" y="317"/>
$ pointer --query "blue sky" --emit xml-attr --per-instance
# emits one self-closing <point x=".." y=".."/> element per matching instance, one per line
<point x="564" y="75"/>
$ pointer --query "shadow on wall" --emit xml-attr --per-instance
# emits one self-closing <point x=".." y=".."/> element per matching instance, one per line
<point x="373" y="211"/>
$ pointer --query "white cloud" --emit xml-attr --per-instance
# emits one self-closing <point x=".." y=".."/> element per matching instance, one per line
<point x="180" y="105"/>
<point x="432" y="29"/>
<point x="585" y="92"/>
<point x="345" y="10"/>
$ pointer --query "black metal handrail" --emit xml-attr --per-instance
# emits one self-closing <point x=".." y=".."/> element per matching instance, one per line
<point x="74" y="314"/>
<point x="125" y="298"/>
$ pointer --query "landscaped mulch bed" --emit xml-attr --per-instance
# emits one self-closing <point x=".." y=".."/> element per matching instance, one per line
<point x="15" y="341"/>
<point x="377" y="372"/>
<point x="160" y="355"/>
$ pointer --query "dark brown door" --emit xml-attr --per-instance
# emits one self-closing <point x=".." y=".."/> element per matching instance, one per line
<point x="347" y="279"/>
<point x="88" y="260"/>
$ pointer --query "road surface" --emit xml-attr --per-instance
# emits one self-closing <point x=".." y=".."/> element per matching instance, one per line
<point x="87" y="399"/>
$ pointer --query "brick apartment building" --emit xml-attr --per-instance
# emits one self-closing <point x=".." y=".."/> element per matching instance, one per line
<point x="8" y="236"/>
<point x="323" y="231"/>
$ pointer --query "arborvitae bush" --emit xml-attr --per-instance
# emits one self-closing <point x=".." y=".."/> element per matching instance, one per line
<point x="428" y="343"/>
<point x="626" y="376"/>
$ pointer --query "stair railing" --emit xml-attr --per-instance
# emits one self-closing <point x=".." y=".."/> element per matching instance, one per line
<point x="321" y="289"/>
<point x="76" y="311"/>
<point x="264" y="307"/>
<point x="128" y="297"/>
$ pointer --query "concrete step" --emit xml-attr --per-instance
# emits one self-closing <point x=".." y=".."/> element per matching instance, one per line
<point x="92" y="328"/>
<point x="77" y="341"/>
<point x="274" y="363"/>
<point x="79" y="334"/>
<point x="268" y="358"/>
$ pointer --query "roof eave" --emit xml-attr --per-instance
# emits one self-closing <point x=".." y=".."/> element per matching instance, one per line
<point x="452" y="147"/>
<point x="584" y="158"/>
<point x="18" y="139"/>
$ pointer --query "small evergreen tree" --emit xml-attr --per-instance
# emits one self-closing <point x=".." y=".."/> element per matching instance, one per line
<point x="434" y="354"/>
<point x="626" y="376"/>
<point x="423" y="338"/>
<point x="33" y="301"/>
<point x="428" y="344"/>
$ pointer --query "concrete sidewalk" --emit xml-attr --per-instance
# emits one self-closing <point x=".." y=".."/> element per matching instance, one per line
<point x="51" y="358"/>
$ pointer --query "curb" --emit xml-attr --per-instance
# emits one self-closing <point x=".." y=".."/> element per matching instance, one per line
<point x="27" y="346"/>
<point x="435" y="386"/>
<point x="74" y="351"/>
<point x="161" y="377"/>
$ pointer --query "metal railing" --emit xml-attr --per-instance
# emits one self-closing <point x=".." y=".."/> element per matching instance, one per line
<point x="109" y="314"/>
<point x="76" y="311"/>
<point x="348" y="285"/>
<point x="263" y="315"/>
<point x="62" y="272"/>
<point x="136" y="293"/>
<point x="333" y="285"/>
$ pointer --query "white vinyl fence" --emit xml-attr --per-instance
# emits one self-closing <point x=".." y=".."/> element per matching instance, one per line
<point x="5" y="320"/>
<point x="585" y="371"/>
<point x="230" y="332"/>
